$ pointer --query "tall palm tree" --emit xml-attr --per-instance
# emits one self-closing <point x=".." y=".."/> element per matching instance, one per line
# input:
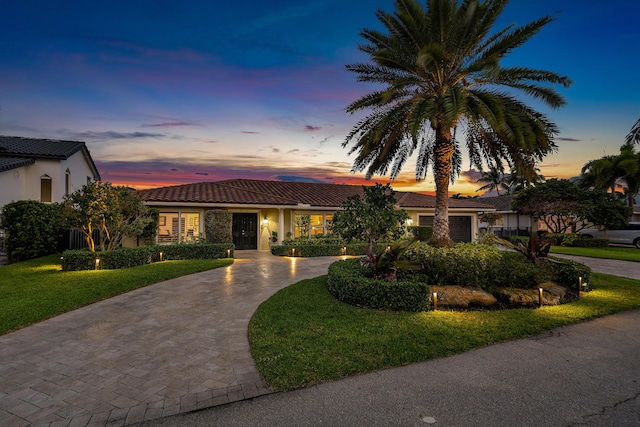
<point x="519" y="181"/>
<point x="440" y="69"/>
<point x="613" y="171"/>
<point x="495" y="179"/>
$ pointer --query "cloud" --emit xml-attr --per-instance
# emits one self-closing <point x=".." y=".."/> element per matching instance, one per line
<point x="295" y="150"/>
<point x="167" y="124"/>
<point x="312" y="128"/>
<point x="568" y="139"/>
<point x="326" y="139"/>
<point x="202" y="173"/>
<point x="105" y="135"/>
<point x="250" y="132"/>
<point x="471" y="175"/>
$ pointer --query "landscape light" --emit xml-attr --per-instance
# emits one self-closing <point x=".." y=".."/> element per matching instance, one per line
<point x="228" y="253"/>
<point x="540" y="296"/>
<point x="435" y="301"/>
<point x="160" y="256"/>
<point x="97" y="263"/>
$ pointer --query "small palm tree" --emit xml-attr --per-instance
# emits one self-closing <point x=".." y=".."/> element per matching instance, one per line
<point x="495" y="179"/>
<point x="440" y="69"/>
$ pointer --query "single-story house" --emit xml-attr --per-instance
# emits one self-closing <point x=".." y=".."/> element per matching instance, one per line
<point x="512" y="222"/>
<point x="43" y="169"/>
<point x="291" y="209"/>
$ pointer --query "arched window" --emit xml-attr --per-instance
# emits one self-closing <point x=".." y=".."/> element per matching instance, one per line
<point x="45" y="188"/>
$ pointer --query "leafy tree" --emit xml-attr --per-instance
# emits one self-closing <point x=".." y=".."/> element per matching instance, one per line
<point x="440" y="68"/>
<point x="371" y="220"/>
<point x="114" y="212"/>
<point x="31" y="229"/>
<point x="562" y="205"/>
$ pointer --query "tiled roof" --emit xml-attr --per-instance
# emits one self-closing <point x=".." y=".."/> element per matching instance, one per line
<point x="17" y="147"/>
<point x="257" y="192"/>
<point x="8" y="163"/>
<point x="501" y="203"/>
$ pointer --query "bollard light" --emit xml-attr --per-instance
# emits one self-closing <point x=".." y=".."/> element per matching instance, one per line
<point x="293" y="251"/>
<point x="540" y="296"/>
<point x="344" y="250"/>
<point x="228" y="253"/>
<point x="160" y="256"/>
<point x="97" y="263"/>
<point x="435" y="301"/>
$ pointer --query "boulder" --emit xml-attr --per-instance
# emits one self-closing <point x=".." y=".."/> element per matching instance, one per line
<point x="527" y="297"/>
<point x="459" y="296"/>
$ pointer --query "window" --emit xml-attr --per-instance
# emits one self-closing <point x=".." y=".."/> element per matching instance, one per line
<point x="67" y="182"/>
<point x="305" y="225"/>
<point x="176" y="227"/>
<point x="45" y="188"/>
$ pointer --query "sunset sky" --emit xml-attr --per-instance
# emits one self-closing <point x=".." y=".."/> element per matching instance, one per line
<point x="166" y="92"/>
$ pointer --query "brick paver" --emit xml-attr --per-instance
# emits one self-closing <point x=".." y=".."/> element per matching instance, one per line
<point x="172" y="347"/>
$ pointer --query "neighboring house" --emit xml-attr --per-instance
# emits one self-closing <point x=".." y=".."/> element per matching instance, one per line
<point x="512" y="222"/>
<point x="291" y="209"/>
<point x="43" y="169"/>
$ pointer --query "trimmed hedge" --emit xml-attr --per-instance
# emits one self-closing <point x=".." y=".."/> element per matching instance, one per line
<point x="308" y="248"/>
<point x="350" y="282"/>
<point x="577" y="241"/>
<point x="76" y="260"/>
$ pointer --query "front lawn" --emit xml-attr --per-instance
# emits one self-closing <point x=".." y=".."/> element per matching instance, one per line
<point x="35" y="290"/>
<point x="302" y="335"/>
<point x="611" y="252"/>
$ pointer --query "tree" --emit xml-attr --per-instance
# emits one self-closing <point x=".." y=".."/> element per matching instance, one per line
<point x="113" y="212"/>
<point x="634" y="134"/>
<point x="440" y="70"/>
<point x="371" y="220"/>
<point x="518" y="181"/>
<point x="494" y="179"/>
<point x="562" y="205"/>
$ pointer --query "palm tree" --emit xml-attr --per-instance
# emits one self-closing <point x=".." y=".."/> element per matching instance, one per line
<point x="494" y="179"/>
<point x="440" y="70"/>
<point x="634" y="134"/>
<point x="519" y="181"/>
<point x="610" y="172"/>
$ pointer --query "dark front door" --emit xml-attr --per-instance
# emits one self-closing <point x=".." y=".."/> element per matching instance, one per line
<point x="245" y="230"/>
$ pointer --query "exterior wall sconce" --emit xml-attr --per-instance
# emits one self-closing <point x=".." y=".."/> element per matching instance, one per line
<point x="409" y="222"/>
<point x="265" y="221"/>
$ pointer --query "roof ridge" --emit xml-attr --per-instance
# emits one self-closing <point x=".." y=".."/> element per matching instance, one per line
<point x="255" y="191"/>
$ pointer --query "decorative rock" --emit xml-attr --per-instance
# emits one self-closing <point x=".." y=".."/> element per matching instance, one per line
<point x="527" y="297"/>
<point x="458" y="296"/>
<point x="554" y="289"/>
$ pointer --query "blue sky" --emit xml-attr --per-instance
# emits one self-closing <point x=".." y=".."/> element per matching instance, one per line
<point x="166" y="92"/>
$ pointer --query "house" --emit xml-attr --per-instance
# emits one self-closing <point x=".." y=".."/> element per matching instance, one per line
<point x="512" y="223"/>
<point x="291" y="209"/>
<point x="43" y="169"/>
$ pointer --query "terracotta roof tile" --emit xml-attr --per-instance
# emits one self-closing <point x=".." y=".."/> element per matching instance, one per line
<point x="258" y="192"/>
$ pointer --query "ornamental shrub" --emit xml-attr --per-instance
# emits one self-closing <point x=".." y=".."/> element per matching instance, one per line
<point x="307" y="248"/>
<point x="350" y="282"/>
<point x="421" y="232"/>
<point x="131" y="257"/>
<point x="567" y="272"/>
<point x="31" y="229"/>
<point x="218" y="226"/>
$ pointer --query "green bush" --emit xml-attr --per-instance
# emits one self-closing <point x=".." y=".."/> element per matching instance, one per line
<point x="567" y="272"/>
<point x="130" y="257"/>
<point x="577" y="241"/>
<point x="518" y="239"/>
<point x="31" y="229"/>
<point x="421" y="232"/>
<point x="350" y="282"/>
<point x="217" y="226"/>
<point x="307" y="248"/>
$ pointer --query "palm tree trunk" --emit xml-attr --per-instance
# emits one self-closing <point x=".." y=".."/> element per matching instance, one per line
<point x="442" y="155"/>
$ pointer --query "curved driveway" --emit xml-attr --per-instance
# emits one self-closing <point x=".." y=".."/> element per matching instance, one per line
<point x="168" y="348"/>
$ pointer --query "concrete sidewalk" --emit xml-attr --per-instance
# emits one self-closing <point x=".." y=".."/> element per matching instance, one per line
<point x="168" y="348"/>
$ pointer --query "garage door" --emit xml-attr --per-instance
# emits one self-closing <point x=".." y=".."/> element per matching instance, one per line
<point x="459" y="227"/>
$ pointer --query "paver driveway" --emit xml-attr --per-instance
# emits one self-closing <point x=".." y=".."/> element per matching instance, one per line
<point x="167" y="348"/>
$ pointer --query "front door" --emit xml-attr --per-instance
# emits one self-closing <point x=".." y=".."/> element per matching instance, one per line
<point x="245" y="230"/>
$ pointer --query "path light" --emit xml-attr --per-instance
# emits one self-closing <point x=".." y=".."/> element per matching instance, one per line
<point x="388" y="248"/>
<point x="228" y="253"/>
<point x="540" y="296"/>
<point x="344" y="250"/>
<point x="293" y="251"/>
<point x="160" y="256"/>
<point x="579" y="285"/>
<point x="97" y="263"/>
<point x="435" y="301"/>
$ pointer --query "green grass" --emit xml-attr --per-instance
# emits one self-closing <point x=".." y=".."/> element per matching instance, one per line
<point x="612" y="252"/>
<point x="302" y="335"/>
<point x="35" y="290"/>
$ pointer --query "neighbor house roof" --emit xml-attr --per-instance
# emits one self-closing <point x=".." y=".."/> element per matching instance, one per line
<point x="257" y="192"/>
<point x="501" y="203"/>
<point x="16" y="151"/>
